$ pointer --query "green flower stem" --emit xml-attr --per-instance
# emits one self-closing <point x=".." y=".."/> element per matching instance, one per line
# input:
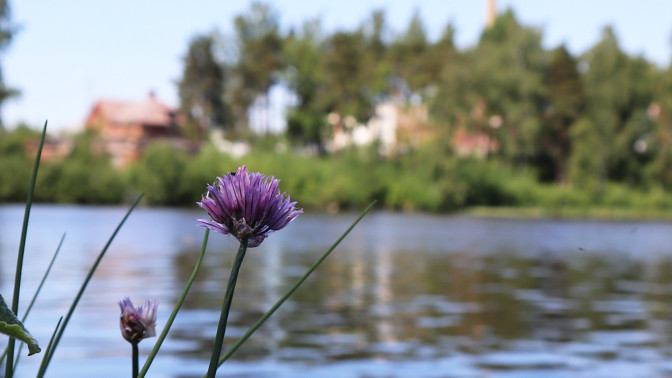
<point x="180" y="300"/>
<point x="9" y="364"/>
<point x="135" y="359"/>
<point x="291" y="291"/>
<point x="228" y="297"/>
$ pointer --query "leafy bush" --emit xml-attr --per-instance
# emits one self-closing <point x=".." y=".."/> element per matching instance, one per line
<point x="427" y="179"/>
<point x="161" y="174"/>
<point x="14" y="178"/>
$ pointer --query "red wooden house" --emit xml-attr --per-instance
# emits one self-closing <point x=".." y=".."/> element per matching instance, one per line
<point x="126" y="127"/>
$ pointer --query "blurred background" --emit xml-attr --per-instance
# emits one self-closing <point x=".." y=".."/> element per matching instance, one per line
<point x="429" y="107"/>
<point x="520" y="153"/>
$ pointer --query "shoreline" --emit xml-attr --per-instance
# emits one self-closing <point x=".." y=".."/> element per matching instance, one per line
<point x="565" y="212"/>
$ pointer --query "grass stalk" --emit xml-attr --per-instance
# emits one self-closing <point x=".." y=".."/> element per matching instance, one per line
<point x="40" y="372"/>
<point x="37" y="292"/>
<point x="32" y="301"/>
<point x="282" y="300"/>
<point x="176" y="309"/>
<point x="9" y="363"/>
<point x="44" y="278"/>
<point x="47" y="357"/>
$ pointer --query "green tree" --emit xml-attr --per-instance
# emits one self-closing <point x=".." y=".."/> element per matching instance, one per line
<point x="442" y="53"/>
<point x="341" y="89"/>
<point x="657" y="145"/>
<point x="14" y="178"/>
<point x="563" y="103"/>
<point x="376" y="67"/>
<point x="585" y="170"/>
<point x="12" y="141"/>
<point x="303" y="57"/>
<point x="7" y="30"/>
<point x="15" y="167"/>
<point x="618" y="89"/>
<point x="455" y="95"/>
<point x="202" y="87"/>
<point x="497" y="87"/>
<point x="409" y="56"/>
<point x="85" y="176"/>
<point x="259" y="60"/>
<point x="511" y="64"/>
<point x="160" y="175"/>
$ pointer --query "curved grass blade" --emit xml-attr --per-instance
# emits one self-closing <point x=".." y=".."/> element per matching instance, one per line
<point x="180" y="300"/>
<point x="292" y="290"/>
<point x="37" y="292"/>
<point x="47" y="356"/>
<point x="40" y="373"/>
<point x="32" y="302"/>
<point x="9" y="367"/>
<point x="44" y="278"/>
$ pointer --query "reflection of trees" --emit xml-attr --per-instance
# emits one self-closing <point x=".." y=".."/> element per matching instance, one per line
<point x="462" y="284"/>
<point x="551" y="319"/>
<point x="508" y="274"/>
<point x="659" y="298"/>
<point x="255" y="293"/>
<point x="383" y="303"/>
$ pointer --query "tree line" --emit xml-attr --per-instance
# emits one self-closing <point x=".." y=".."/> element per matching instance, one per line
<point x="588" y="129"/>
<point x="583" y="120"/>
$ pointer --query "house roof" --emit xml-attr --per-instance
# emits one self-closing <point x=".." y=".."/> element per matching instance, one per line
<point x="149" y="111"/>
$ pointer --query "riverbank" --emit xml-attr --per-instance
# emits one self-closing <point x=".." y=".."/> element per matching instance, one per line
<point x="565" y="212"/>
<point x="426" y="180"/>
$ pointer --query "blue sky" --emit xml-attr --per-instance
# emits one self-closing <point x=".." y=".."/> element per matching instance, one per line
<point x="71" y="52"/>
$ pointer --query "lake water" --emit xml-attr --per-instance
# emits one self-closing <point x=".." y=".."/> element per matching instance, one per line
<point x="405" y="295"/>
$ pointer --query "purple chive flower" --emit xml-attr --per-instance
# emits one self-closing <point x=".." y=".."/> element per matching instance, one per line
<point x="137" y="323"/>
<point x="247" y="205"/>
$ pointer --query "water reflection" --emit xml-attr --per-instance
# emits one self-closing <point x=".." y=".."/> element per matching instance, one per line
<point x="405" y="295"/>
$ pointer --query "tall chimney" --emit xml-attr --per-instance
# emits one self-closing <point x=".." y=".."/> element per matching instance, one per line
<point x="491" y="13"/>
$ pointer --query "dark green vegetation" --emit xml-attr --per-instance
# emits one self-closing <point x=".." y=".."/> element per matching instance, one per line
<point x="429" y="179"/>
<point x="572" y="132"/>
<point x="82" y="177"/>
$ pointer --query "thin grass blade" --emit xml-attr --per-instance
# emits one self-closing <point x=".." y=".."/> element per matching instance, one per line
<point x="180" y="300"/>
<point x="44" y="278"/>
<point x="43" y="366"/>
<point x="292" y="290"/>
<point x="9" y="366"/>
<point x="37" y="292"/>
<point x="57" y="339"/>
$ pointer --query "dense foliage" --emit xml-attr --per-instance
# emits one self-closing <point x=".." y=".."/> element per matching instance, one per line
<point x="587" y="130"/>
<point x="572" y="120"/>
<point x="428" y="179"/>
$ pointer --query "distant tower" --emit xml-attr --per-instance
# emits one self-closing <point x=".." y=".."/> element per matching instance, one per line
<point x="491" y="13"/>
